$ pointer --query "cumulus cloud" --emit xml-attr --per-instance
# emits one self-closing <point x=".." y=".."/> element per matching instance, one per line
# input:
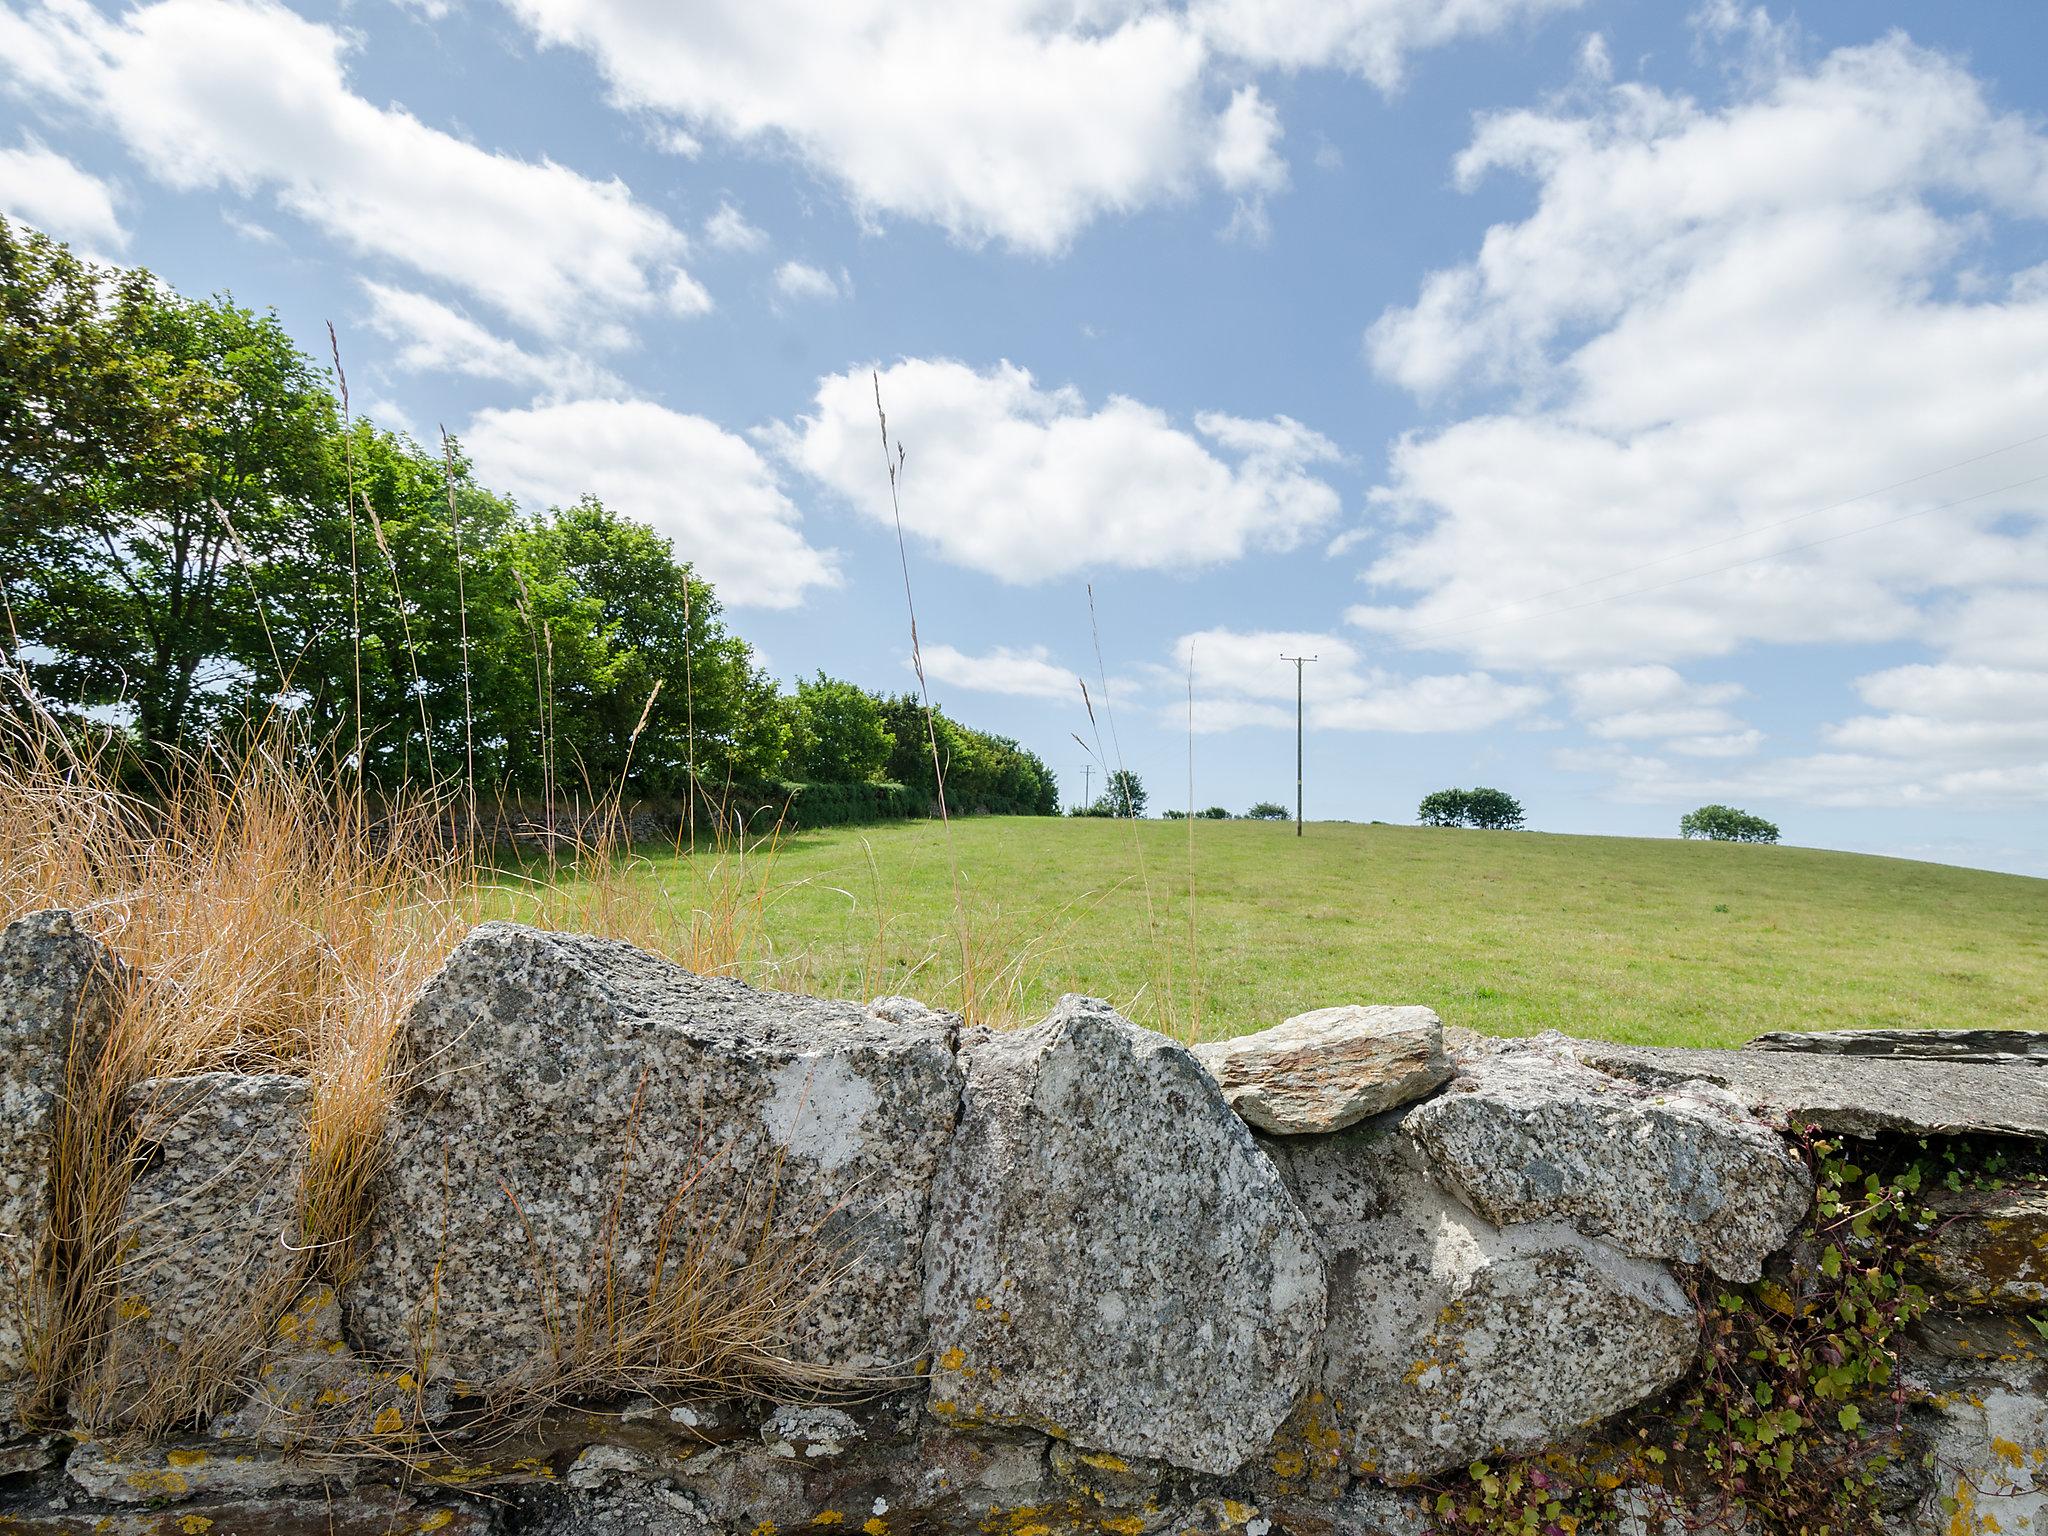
<point x="1638" y="702"/>
<point x="1715" y="392"/>
<point x="728" y="230"/>
<point x="1241" y="679"/>
<point x="1029" y="673"/>
<point x="1008" y="120"/>
<point x="798" y="281"/>
<point x="434" y="338"/>
<point x="40" y="187"/>
<point x="1028" y="483"/>
<point x="246" y="96"/>
<point x="706" y="489"/>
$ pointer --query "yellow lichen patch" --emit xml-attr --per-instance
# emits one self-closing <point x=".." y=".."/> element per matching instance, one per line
<point x="982" y="1304"/>
<point x="437" y="1519"/>
<point x="1122" y="1525"/>
<point x="389" y="1421"/>
<point x="1289" y="1464"/>
<point x="195" y="1525"/>
<point x="875" y="1525"/>
<point x="129" y="1310"/>
<point x="765" y="1528"/>
<point x="154" y="1481"/>
<point x="1238" y="1513"/>
<point x="1105" y="1461"/>
<point x="185" y="1458"/>
<point x="953" y="1359"/>
<point x="827" y="1517"/>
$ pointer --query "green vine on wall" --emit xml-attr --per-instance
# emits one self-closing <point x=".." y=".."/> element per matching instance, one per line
<point x="1795" y="1413"/>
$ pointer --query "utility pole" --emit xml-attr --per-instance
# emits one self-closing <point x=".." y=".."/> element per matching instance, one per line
<point x="1297" y="660"/>
<point x="1087" y="778"/>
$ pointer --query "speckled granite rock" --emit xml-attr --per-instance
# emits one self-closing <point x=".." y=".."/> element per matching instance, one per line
<point x="1324" y="1070"/>
<point x="538" y="1059"/>
<point x="1850" y="1095"/>
<point x="1677" y="1173"/>
<point x="210" y="1224"/>
<point x="55" y="981"/>
<point x="1989" y="1248"/>
<point x="1451" y="1339"/>
<point x="1112" y="1259"/>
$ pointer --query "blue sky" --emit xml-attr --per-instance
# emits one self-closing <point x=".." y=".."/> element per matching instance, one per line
<point x="1632" y="407"/>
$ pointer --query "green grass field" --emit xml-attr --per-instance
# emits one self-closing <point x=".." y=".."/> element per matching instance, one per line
<point x="1636" y="940"/>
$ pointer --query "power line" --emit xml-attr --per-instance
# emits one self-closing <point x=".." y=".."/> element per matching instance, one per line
<point x="1773" y="554"/>
<point x="1680" y="554"/>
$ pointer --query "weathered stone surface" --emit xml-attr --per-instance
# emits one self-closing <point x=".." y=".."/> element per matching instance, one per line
<point x="365" y="1512"/>
<point x="56" y="983"/>
<point x="540" y="1059"/>
<point x="1982" y="1407"/>
<point x="1112" y="1259"/>
<point x="173" y="1471"/>
<point x="210" y="1226"/>
<point x="1989" y="1248"/>
<point x="1324" y="1070"/>
<point x="1683" y="1173"/>
<point x="1851" y="1095"/>
<point x="1992" y="1045"/>
<point x="1450" y="1338"/>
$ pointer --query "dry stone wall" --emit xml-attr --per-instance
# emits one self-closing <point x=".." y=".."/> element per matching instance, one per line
<point x="652" y="1252"/>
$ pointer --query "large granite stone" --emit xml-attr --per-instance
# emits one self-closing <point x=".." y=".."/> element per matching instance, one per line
<point x="581" y="1115"/>
<point x="1451" y="1339"/>
<point x="1850" y="1095"/>
<point x="1992" y="1045"/>
<point x="1681" y="1173"/>
<point x="57" y="985"/>
<point x="1112" y="1259"/>
<point x="363" y="1512"/>
<point x="1324" y="1070"/>
<point x="1989" y="1248"/>
<point x="210" y="1248"/>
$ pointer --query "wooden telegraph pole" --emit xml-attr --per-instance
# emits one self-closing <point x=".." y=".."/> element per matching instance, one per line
<point x="1297" y="660"/>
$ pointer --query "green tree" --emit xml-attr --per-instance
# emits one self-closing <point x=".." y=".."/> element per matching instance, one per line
<point x="1268" y="810"/>
<point x="1214" y="813"/>
<point x="1442" y="808"/>
<point x="152" y="449"/>
<point x="836" y="734"/>
<point x="1726" y="824"/>
<point x="1125" y="794"/>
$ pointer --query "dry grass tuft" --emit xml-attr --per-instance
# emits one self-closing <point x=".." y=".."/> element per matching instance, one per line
<point x="272" y="919"/>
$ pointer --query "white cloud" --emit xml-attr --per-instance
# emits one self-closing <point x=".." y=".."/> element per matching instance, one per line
<point x="728" y="230"/>
<point x="1027" y="674"/>
<point x="1716" y="321"/>
<point x="1646" y="701"/>
<point x="246" y="96"/>
<point x="40" y="187"/>
<point x="1241" y="678"/>
<point x="706" y="489"/>
<point x="1010" y="120"/>
<point x="1028" y="483"/>
<point x="434" y="338"/>
<point x="1370" y="38"/>
<point x="798" y="281"/>
<point x="1247" y="154"/>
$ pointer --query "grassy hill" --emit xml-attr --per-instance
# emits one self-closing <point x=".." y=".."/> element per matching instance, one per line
<point x="1638" y="940"/>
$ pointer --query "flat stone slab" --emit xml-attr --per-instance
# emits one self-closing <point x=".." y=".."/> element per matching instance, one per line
<point x="1112" y="1259"/>
<point x="582" y="1116"/>
<point x="1451" y="1339"/>
<point x="1324" y="1070"/>
<point x="1687" y="1174"/>
<point x="1850" y="1095"/>
<point x="56" y="981"/>
<point x="1993" y="1045"/>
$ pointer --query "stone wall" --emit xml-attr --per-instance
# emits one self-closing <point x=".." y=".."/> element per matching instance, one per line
<point x="655" y="1252"/>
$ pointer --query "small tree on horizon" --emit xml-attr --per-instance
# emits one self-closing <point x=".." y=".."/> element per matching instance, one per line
<point x="1726" y="824"/>
<point x="1267" y="810"/>
<point x="1124" y="796"/>
<point x="1490" y="810"/>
